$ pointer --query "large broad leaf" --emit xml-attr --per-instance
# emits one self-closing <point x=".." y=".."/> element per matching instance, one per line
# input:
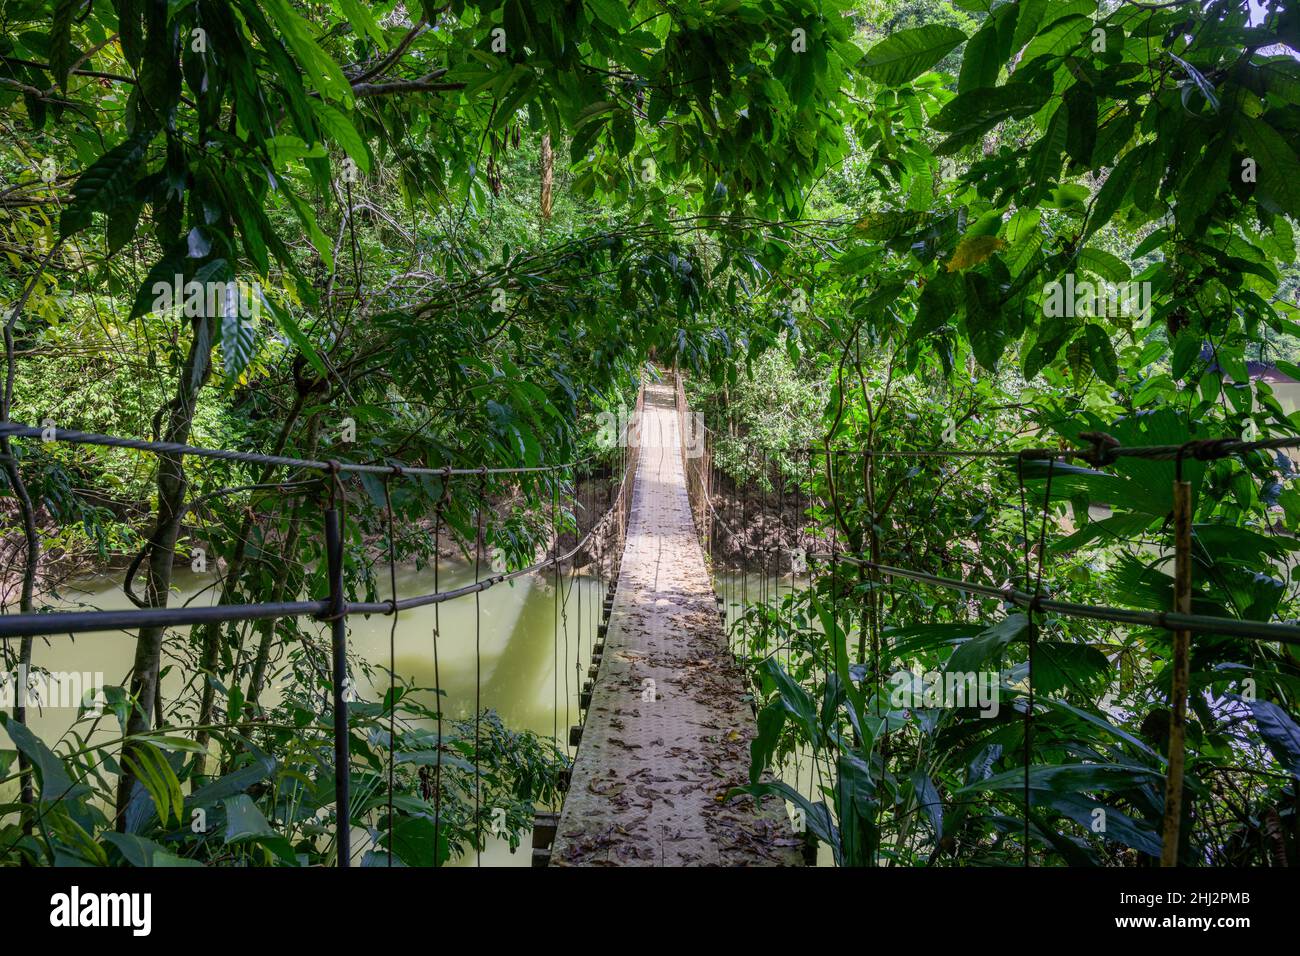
<point x="61" y="50"/>
<point x="970" y="114"/>
<point x="1043" y="166"/>
<point x="1110" y="824"/>
<point x="1104" y="362"/>
<point x="908" y="53"/>
<point x="1280" y="732"/>
<point x="1116" y="187"/>
<point x="793" y="698"/>
<point x="856" y="804"/>
<point x="340" y="129"/>
<point x="988" y="49"/>
<point x="770" y="721"/>
<point x="413" y="840"/>
<point x="108" y="181"/>
<point x="1070" y="778"/>
<point x="911" y="638"/>
<point x="972" y="655"/>
<point x="928" y="801"/>
<point x="942" y="300"/>
<point x="985" y="320"/>
<point x="141" y="851"/>
<point x="244" y="820"/>
<point x="321" y="68"/>
<point x="55" y="783"/>
<point x="1055" y="703"/>
<point x="1277" y="168"/>
<point x="237" y="781"/>
<point x="1060" y="665"/>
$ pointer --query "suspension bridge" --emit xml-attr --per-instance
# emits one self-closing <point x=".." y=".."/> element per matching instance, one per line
<point x="667" y="729"/>
<point x="668" y="732"/>
<point x="667" y="725"/>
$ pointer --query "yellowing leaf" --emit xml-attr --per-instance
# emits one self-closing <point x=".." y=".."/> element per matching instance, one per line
<point x="973" y="250"/>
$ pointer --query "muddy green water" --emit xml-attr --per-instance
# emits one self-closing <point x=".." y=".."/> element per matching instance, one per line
<point x="528" y="669"/>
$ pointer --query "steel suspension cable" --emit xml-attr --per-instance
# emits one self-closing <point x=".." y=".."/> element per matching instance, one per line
<point x="70" y="436"/>
<point x="437" y="675"/>
<point x="478" y="677"/>
<point x="555" y="625"/>
<point x="392" y="661"/>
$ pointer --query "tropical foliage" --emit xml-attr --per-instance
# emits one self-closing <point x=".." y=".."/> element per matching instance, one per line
<point x="465" y="228"/>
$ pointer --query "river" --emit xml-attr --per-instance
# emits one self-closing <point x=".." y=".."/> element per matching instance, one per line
<point x="519" y="645"/>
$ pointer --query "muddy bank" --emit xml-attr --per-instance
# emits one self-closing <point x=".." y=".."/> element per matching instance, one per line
<point x="59" y="565"/>
<point x="756" y="530"/>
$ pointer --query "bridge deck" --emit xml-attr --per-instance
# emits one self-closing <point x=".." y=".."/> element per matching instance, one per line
<point x="653" y="769"/>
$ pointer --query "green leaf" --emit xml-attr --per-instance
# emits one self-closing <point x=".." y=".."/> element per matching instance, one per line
<point x="108" y="181"/>
<point x="1119" y="828"/>
<point x="770" y="721"/>
<point x="307" y="216"/>
<point x="793" y="698"/>
<point x="624" y="133"/>
<point x="340" y="129"/>
<point x="237" y="781"/>
<point x="1061" y="665"/>
<point x="1027" y="22"/>
<point x="244" y="820"/>
<point x="908" y="53"/>
<point x="414" y="843"/>
<point x="1043" y="166"/>
<point x="61" y="51"/>
<point x="123" y="218"/>
<point x="1103" y="353"/>
<point x="154" y="773"/>
<point x="1103" y="264"/>
<point x="1114" y="189"/>
<point x="1080" y="104"/>
<point x="1055" y="703"/>
<point x="972" y="655"/>
<point x="1280" y="732"/>
<point x="985" y="321"/>
<point x="891" y="225"/>
<point x="238" y="338"/>
<point x="970" y="114"/>
<point x="817" y="816"/>
<point x="941" y="300"/>
<point x="1276" y="165"/>
<point x="1071" y="778"/>
<point x="988" y="49"/>
<point x="362" y="21"/>
<point x="55" y="783"/>
<point x="141" y="851"/>
<point x="319" y="66"/>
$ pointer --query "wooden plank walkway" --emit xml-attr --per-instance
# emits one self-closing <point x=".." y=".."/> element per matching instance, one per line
<point x="668" y="732"/>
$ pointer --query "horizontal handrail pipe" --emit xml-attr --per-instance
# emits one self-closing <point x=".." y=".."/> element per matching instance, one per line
<point x="15" y="430"/>
<point x="1165" y="620"/>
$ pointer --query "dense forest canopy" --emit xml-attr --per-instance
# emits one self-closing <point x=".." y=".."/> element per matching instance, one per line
<point x="455" y="234"/>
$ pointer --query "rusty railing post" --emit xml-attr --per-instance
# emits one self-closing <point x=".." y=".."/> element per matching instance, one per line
<point x="1181" y="672"/>
<point x="339" y="675"/>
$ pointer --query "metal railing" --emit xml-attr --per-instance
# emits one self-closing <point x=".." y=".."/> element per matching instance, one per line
<point x="334" y="608"/>
<point x="1104" y="451"/>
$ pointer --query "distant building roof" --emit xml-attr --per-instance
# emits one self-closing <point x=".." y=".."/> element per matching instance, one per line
<point x="1268" y="372"/>
<point x="1258" y="371"/>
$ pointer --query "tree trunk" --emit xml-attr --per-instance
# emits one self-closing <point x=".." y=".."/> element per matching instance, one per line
<point x="32" y="544"/>
<point x="548" y="176"/>
<point x="162" y="546"/>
